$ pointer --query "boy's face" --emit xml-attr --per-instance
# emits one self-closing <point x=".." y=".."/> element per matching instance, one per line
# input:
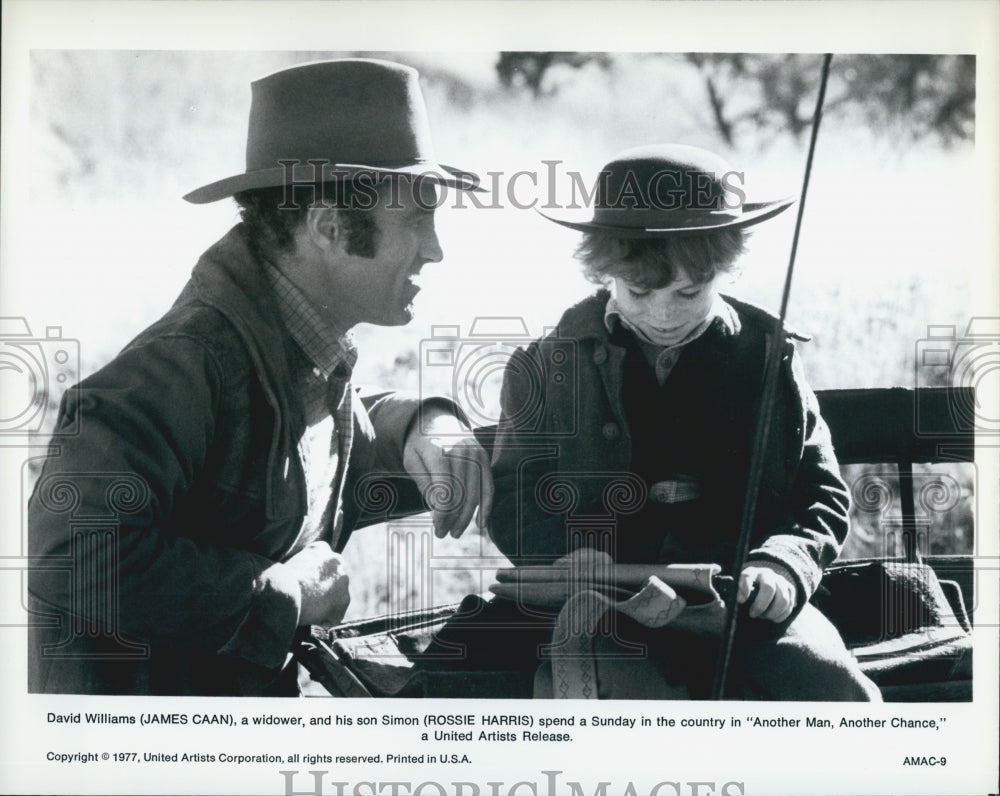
<point x="668" y="314"/>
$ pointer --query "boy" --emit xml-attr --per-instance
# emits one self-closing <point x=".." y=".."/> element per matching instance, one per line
<point x="628" y="431"/>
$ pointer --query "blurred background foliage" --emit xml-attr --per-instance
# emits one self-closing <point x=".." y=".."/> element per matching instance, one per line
<point x="118" y="136"/>
<point x="105" y="243"/>
<point x="763" y="95"/>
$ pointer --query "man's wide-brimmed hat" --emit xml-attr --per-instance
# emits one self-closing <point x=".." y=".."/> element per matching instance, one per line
<point x="334" y="120"/>
<point x="665" y="190"/>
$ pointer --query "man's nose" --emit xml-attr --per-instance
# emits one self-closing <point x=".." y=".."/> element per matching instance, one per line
<point x="431" y="248"/>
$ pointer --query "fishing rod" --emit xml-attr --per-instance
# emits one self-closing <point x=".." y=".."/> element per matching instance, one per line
<point x="763" y="428"/>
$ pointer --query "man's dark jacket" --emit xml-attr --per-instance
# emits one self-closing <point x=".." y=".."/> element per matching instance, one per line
<point x="157" y="527"/>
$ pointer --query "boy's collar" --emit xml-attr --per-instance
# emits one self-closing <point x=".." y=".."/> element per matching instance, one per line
<point x="721" y="317"/>
<point x="585" y="319"/>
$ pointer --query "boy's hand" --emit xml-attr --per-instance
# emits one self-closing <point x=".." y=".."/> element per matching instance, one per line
<point x="773" y="593"/>
<point x="584" y="558"/>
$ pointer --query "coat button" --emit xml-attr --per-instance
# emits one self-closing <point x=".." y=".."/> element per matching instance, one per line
<point x="610" y="431"/>
<point x="600" y="356"/>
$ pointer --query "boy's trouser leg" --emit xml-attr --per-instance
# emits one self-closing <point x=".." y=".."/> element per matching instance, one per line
<point x="808" y="663"/>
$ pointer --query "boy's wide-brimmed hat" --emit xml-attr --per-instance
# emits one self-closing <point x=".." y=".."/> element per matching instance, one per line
<point x="333" y="120"/>
<point x="666" y="190"/>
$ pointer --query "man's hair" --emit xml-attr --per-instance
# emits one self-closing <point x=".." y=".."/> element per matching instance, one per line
<point x="272" y="214"/>
<point x="653" y="263"/>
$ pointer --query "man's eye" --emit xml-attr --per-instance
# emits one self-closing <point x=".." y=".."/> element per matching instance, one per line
<point x="637" y="294"/>
<point x="690" y="295"/>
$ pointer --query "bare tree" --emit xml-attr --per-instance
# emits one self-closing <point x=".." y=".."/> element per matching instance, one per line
<point x="908" y="96"/>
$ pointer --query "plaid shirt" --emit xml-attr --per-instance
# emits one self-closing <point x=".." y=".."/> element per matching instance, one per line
<point x="326" y="394"/>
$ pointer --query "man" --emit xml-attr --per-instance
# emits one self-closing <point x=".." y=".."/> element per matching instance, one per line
<point x="192" y="525"/>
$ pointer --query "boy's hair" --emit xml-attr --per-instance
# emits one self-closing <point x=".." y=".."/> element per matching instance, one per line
<point x="272" y="214"/>
<point x="653" y="263"/>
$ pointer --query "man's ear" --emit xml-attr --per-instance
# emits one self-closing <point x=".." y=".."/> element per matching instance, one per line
<point x="322" y="225"/>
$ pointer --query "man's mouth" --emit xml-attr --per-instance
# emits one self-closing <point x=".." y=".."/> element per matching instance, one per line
<point x="414" y="283"/>
<point x="416" y="275"/>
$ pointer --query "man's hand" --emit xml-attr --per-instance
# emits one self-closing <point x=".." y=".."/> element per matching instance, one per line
<point x="774" y="594"/>
<point x="452" y="470"/>
<point x="324" y="583"/>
